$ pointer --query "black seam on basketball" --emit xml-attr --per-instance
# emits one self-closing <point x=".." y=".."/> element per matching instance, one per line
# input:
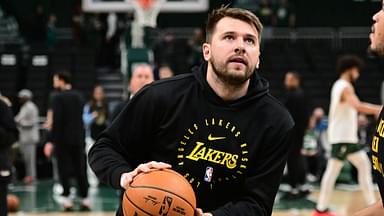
<point x="177" y="174"/>
<point x="165" y="191"/>
<point x="168" y="171"/>
<point x="125" y="194"/>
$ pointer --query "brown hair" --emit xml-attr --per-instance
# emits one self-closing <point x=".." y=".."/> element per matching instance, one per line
<point x="237" y="13"/>
<point x="63" y="75"/>
<point x="347" y="62"/>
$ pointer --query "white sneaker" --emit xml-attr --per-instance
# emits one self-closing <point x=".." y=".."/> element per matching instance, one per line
<point x="67" y="203"/>
<point x="85" y="204"/>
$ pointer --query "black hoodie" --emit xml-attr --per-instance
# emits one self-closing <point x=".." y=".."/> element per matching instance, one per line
<point x="8" y="135"/>
<point x="233" y="153"/>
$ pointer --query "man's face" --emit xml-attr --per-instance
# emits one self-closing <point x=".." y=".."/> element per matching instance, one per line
<point x="141" y="76"/>
<point x="377" y="33"/>
<point x="233" y="52"/>
<point x="290" y="81"/>
<point x="353" y="74"/>
<point x="57" y="83"/>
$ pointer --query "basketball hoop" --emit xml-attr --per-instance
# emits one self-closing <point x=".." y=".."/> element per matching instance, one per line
<point x="145" y="16"/>
<point x="146" y="11"/>
<point x="146" y="4"/>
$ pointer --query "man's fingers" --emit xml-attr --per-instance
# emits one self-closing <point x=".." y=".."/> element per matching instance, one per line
<point x="143" y="168"/>
<point x="127" y="178"/>
<point x="153" y="165"/>
<point x="198" y="212"/>
<point x="160" y="165"/>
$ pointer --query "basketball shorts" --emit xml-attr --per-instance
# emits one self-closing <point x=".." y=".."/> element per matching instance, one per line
<point x="340" y="151"/>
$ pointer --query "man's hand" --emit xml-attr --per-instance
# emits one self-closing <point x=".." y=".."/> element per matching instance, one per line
<point x="48" y="149"/>
<point x="95" y="114"/>
<point x="199" y="212"/>
<point x="127" y="178"/>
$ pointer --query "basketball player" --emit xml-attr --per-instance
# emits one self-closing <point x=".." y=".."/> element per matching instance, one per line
<point x="218" y="126"/>
<point x="377" y="150"/>
<point x="342" y="134"/>
<point x="68" y="140"/>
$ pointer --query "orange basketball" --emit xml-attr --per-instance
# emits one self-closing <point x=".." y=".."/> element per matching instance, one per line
<point x="13" y="203"/>
<point x="161" y="192"/>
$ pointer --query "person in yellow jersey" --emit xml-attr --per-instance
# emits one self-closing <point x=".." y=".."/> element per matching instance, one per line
<point x="377" y="145"/>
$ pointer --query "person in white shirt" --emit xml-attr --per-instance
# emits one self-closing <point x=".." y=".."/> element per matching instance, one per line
<point x="27" y="121"/>
<point x="343" y="136"/>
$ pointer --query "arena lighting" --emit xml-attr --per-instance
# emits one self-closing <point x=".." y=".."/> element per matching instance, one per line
<point x="40" y="60"/>
<point x="8" y="60"/>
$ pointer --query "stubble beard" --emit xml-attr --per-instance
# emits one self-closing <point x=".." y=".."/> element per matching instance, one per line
<point x="378" y="50"/>
<point x="232" y="79"/>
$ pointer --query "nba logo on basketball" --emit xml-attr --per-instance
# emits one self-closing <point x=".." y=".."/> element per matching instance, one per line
<point x="208" y="174"/>
<point x="164" y="209"/>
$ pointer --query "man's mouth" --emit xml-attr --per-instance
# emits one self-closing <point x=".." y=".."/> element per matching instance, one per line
<point x="238" y="60"/>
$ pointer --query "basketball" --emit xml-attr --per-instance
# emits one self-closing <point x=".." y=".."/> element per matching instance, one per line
<point x="13" y="203"/>
<point x="160" y="192"/>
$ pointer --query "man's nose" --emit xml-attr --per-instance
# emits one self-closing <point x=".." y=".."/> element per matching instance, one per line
<point x="374" y="18"/>
<point x="240" y="47"/>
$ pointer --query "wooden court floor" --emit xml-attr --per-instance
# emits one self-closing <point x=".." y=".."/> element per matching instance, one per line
<point x="39" y="200"/>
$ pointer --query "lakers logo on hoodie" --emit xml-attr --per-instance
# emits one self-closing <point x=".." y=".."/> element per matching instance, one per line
<point x="215" y="143"/>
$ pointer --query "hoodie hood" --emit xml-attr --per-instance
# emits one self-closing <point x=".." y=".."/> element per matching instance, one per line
<point x="257" y="88"/>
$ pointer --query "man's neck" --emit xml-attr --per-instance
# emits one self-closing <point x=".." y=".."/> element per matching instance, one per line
<point x="224" y="90"/>
<point x="345" y="77"/>
<point x="66" y="87"/>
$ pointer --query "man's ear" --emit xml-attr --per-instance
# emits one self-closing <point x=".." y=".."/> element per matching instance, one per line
<point x="206" y="51"/>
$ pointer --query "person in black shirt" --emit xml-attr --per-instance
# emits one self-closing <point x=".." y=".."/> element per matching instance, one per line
<point x="68" y="139"/>
<point x="296" y="103"/>
<point x="220" y="118"/>
<point x="8" y="135"/>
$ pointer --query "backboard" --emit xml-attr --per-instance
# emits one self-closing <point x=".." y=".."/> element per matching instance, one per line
<point x="126" y="5"/>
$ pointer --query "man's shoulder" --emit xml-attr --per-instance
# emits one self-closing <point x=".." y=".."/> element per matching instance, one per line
<point x="175" y="80"/>
<point x="277" y="110"/>
<point x="3" y="105"/>
<point x="68" y="95"/>
<point x="174" y="84"/>
<point x="341" y="83"/>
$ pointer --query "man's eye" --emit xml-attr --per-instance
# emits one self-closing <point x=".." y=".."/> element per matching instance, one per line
<point x="250" y="41"/>
<point x="228" y="37"/>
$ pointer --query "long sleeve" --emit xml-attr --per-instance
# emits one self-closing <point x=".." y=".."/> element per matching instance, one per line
<point x="260" y="189"/>
<point x="122" y="146"/>
<point x="8" y="130"/>
<point x="87" y="115"/>
<point x="27" y="117"/>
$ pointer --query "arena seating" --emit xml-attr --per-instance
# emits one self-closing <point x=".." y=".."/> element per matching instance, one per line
<point x="310" y="51"/>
